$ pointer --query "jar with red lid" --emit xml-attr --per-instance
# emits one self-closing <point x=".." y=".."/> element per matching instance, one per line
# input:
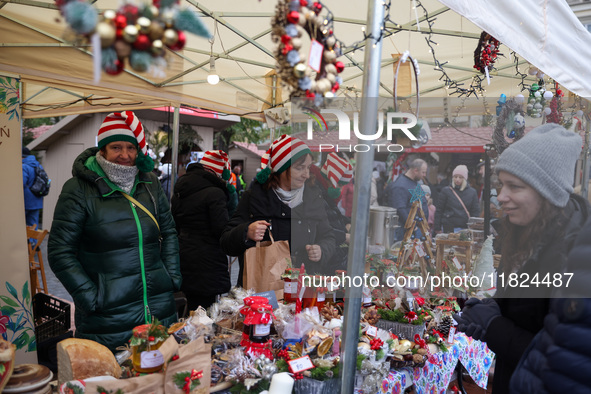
<point x="245" y="310"/>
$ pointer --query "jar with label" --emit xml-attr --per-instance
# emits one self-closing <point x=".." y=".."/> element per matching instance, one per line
<point x="314" y="294"/>
<point x="245" y="311"/>
<point x="145" y="342"/>
<point x="288" y="286"/>
<point x="259" y="319"/>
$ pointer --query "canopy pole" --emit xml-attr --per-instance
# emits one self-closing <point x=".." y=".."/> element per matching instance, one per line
<point x="175" y="149"/>
<point x="585" y="181"/>
<point x="363" y="170"/>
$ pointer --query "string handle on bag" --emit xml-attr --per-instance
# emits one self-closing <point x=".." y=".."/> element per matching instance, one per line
<point x="401" y="60"/>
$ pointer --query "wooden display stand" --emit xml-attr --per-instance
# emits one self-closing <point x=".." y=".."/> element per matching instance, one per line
<point x="440" y="249"/>
<point x="410" y="227"/>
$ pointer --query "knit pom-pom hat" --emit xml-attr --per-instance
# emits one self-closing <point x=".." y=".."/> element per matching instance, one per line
<point x="336" y="170"/>
<point x="125" y="126"/>
<point x="281" y="154"/>
<point x="218" y="162"/>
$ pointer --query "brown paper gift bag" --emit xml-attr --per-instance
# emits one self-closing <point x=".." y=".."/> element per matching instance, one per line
<point x="264" y="264"/>
<point x="196" y="355"/>
<point x="147" y="384"/>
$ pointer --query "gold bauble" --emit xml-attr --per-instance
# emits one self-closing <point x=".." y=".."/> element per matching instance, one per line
<point x="106" y="32"/>
<point x="122" y="49"/>
<point x="363" y="345"/>
<point x="156" y="31"/>
<point x="296" y="43"/>
<point x="168" y="18"/>
<point x="130" y="33"/>
<point x="330" y="41"/>
<point x="143" y="24"/>
<point x="299" y="70"/>
<point x="329" y="56"/>
<point x="170" y="37"/>
<point x="109" y="15"/>
<point x="157" y="48"/>
<point x="330" y="69"/>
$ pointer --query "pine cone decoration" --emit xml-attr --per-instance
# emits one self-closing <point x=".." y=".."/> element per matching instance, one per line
<point x="446" y="323"/>
<point x="371" y="316"/>
<point x="329" y="312"/>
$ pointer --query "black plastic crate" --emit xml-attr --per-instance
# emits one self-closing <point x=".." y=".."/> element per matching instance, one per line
<point x="52" y="316"/>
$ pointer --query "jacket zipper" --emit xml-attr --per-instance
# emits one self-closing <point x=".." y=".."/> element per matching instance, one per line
<point x="147" y="315"/>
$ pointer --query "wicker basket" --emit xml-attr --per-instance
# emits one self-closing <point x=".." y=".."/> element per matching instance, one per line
<point x="313" y="386"/>
<point x="402" y="330"/>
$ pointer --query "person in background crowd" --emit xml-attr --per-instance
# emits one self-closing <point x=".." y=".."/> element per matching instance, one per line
<point x="199" y="208"/>
<point x="442" y="182"/>
<point x="281" y="202"/>
<point x="456" y="204"/>
<point x="542" y="220"/>
<point x="373" y="199"/>
<point x="113" y="242"/>
<point x="336" y="171"/>
<point x="431" y="208"/>
<point x="347" y="193"/>
<point x="399" y="196"/>
<point x="240" y="184"/>
<point x="165" y="174"/>
<point x="33" y="204"/>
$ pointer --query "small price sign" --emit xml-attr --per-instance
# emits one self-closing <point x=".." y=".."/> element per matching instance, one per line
<point x="372" y="331"/>
<point x="452" y="333"/>
<point x="301" y="364"/>
<point x="420" y="250"/>
<point x="315" y="56"/>
<point x="457" y="263"/>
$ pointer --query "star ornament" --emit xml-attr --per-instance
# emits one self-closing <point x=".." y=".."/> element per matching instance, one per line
<point x="416" y="194"/>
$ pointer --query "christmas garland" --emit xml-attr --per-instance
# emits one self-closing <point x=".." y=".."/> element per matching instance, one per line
<point x="486" y="52"/>
<point x="136" y="33"/>
<point x="292" y="19"/>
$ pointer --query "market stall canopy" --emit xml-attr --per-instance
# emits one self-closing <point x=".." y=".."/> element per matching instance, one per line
<point x="58" y="77"/>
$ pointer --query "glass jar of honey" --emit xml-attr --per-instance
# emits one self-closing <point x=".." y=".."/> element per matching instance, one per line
<point x="145" y="342"/>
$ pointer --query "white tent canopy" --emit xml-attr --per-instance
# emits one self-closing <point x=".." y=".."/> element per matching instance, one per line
<point x="58" y="77"/>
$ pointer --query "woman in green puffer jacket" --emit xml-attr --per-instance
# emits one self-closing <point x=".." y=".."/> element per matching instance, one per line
<point x="119" y="263"/>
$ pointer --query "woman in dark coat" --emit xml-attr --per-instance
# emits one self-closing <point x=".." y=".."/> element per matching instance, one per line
<point x="119" y="263"/>
<point x="542" y="221"/>
<point x="559" y="357"/>
<point x="199" y="207"/>
<point x="280" y="202"/>
<point x="450" y="213"/>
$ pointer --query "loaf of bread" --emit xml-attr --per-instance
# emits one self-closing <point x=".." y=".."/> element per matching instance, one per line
<point x="79" y="359"/>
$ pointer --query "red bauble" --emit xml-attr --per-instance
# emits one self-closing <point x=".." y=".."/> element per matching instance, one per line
<point x="120" y="21"/>
<point x="115" y="68"/>
<point x="304" y="3"/>
<point x="156" y="3"/>
<point x="293" y="17"/>
<point x="285" y="39"/>
<point x="119" y="34"/>
<point x="310" y="94"/>
<point x="317" y="7"/>
<point x="335" y="87"/>
<point x="340" y="66"/>
<point x="142" y="42"/>
<point x="286" y="49"/>
<point x="130" y="11"/>
<point x="180" y="44"/>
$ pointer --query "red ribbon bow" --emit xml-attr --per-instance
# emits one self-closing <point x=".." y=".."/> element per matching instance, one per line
<point x="420" y="341"/>
<point x="189" y="379"/>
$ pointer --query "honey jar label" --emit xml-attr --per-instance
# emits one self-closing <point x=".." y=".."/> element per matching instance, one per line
<point x="151" y="359"/>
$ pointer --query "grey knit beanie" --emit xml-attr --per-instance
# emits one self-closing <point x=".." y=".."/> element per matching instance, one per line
<point x="545" y="159"/>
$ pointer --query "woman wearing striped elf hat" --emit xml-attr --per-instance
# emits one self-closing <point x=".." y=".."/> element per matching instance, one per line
<point x="113" y="242"/>
<point x="200" y="210"/>
<point x="280" y="201"/>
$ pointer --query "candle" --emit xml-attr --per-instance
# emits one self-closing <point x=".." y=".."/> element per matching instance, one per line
<point x="281" y="383"/>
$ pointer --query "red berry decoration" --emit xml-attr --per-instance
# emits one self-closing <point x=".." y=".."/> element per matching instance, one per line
<point x="376" y="344"/>
<point x="175" y="357"/>
<point x="120" y="21"/>
<point x="340" y="66"/>
<point x="486" y="52"/>
<point x="317" y="7"/>
<point x="304" y="3"/>
<point x="285" y="39"/>
<point x="151" y="338"/>
<point x="286" y="49"/>
<point x="293" y="17"/>
<point x="298" y="376"/>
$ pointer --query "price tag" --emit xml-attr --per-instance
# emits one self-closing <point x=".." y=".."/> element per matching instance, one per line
<point x="420" y="250"/>
<point x="151" y="359"/>
<point x="457" y="263"/>
<point x="260" y="330"/>
<point x="452" y="333"/>
<point x="315" y="56"/>
<point x="287" y="287"/>
<point x="301" y="364"/>
<point x="372" y="331"/>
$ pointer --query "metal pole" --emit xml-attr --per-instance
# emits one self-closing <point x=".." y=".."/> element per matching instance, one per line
<point x="486" y="192"/>
<point x="175" y="149"/>
<point x="585" y="182"/>
<point x="356" y="262"/>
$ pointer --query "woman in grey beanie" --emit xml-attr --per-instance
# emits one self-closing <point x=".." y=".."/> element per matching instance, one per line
<point x="542" y="219"/>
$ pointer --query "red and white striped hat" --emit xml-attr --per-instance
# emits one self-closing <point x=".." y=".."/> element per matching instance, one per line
<point x="217" y="161"/>
<point x="337" y="169"/>
<point x="282" y="152"/>
<point x="122" y="126"/>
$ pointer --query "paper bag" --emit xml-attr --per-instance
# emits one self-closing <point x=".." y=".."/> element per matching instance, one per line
<point x="196" y="355"/>
<point x="147" y="384"/>
<point x="264" y="264"/>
